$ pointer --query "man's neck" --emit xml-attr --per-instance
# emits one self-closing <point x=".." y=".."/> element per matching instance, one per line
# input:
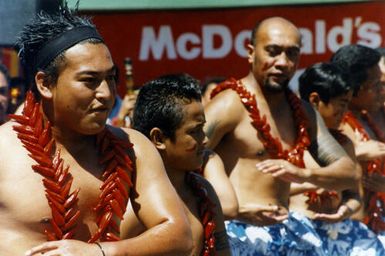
<point x="177" y="178"/>
<point x="71" y="141"/>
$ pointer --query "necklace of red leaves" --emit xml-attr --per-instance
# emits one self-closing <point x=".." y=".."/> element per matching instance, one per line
<point x="206" y="212"/>
<point x="376" y="200"/>
<point x="35" y="135"/>
<point x="273" y="145"/>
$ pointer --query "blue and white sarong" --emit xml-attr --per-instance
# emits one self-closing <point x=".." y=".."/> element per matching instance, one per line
<point x="348" y="237"/>
<point x="381" y="237"/>
<point x="294" y="236"/>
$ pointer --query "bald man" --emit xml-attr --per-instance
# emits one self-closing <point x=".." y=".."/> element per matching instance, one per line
<point x="261" y="129"/>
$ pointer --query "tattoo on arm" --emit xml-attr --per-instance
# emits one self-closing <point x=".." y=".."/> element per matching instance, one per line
<point x="326" y="149"/>
<point x="221" y="241"/>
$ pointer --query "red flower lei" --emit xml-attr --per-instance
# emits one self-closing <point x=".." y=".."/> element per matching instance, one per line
<point x="272" y="145"/>
<point x="206" y="213"/>
<point x="35" y="135"/>
<point x="372" y="125"/>
<point x="376" y="203"/>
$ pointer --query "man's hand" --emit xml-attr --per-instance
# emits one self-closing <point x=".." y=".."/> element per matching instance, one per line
<point x="342" y="213"/>
<point x="65" y="248"/>
<point x="261" y="215"/>
<point x="368" y="150"/>
<point x="284" y="170"/>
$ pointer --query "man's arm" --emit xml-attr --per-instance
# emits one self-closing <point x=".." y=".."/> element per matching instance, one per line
<point x="157" y="206"/>
<point x="339" y="171"/>
<point x="223" y="113"/>
<point x="215" y="173"/>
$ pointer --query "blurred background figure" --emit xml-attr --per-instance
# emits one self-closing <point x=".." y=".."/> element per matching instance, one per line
<point x="208" y="86"/>
<point x="123" y="109"/>
<point x="4" y="93"/>
<point x="381" y="63"/>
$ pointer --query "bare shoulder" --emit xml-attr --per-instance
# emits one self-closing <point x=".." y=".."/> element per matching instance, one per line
<point x="139" y="141"/>
<point x="223" y="114"/>
<point x="143" y="152"/>
<point x="225" y="101"/>
<point x="9" y="143"/>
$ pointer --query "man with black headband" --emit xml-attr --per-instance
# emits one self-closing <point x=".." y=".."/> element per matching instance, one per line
<point x="66" y="177"/>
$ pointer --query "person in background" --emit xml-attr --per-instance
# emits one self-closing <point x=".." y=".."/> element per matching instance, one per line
<point x="329" y="90"/>
<point x="4" y="93"/>
<point x="208" y="86"/>
<point x="381" y="63"/>
<point x="169" y="112"/>
<point x="67" y="177"/>
<point x="122" y="112"/>
<point x="260" y="129"/>
<point x="361" y="64"/>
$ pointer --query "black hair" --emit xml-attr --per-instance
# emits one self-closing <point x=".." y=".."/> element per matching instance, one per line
<point x="355" y="60"/>
<point x="381" y="51"/>
<point x="160" y="101"/>
<point x="326" y="79"/>
<point x="43" y="28"/>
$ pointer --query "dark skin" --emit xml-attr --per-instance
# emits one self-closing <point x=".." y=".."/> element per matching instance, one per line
<point x="77" y="106"/>
<point x="263" y="191"/>
<point x="184" y="153"/>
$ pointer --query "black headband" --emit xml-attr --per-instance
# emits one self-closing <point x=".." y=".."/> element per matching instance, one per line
<point x="61" y="43"/>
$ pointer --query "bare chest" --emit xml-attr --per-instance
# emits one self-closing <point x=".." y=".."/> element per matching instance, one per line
<point x="24" y="197"/>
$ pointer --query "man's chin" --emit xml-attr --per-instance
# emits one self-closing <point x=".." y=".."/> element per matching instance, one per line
<point x="276" y="87"/>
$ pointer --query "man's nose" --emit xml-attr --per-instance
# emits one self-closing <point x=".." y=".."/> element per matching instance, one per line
<point x="282" y="60"/>
<point x="104" y="91"/>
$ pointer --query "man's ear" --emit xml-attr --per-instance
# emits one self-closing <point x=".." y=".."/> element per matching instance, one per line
<point x="250" y="53"/>
<point x="314" y="99"/>
<point x="42" y="85"/>
<point x="157" y="138"/>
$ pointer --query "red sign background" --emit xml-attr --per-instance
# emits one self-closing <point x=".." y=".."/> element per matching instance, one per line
<point x="173" y="41"/>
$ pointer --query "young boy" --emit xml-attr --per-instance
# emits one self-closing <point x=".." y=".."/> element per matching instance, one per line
<point x="170" y="113"/>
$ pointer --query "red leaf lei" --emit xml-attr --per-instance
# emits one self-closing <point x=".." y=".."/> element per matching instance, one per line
<point x="206" y="213"/>
<point x="272" y="145"/>
<point x="36" y="137"/>
<point x="375" y="208"/>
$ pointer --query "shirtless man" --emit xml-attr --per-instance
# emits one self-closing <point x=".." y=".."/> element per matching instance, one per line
<point x="79" y="209"/>
<point x="263" y="192"/>
<point x="360" y="125"/>
<point x="170" y="113"/>
<point x="330" y="91"/>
